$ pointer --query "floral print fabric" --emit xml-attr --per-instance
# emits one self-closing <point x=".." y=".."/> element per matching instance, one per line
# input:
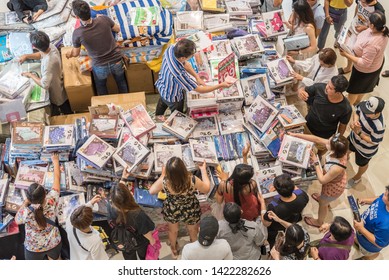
<point x="38" y="240"/>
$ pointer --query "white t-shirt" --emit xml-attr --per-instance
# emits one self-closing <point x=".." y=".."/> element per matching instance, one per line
<point x="218" y="250"/>
<point x="90" y="241"/>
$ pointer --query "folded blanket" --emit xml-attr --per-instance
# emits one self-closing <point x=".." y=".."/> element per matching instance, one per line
<point x="139" y="36"/>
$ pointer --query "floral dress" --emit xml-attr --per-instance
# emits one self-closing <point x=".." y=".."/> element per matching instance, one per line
<point x="40" y="240"/>
<point x="181" y="207"/>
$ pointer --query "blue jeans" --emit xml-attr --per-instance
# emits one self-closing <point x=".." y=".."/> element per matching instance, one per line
<point x="326" y="28"/>
<point x="101" y="73"/>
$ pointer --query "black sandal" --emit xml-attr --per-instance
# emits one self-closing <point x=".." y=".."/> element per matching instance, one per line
<point x="385" y="73"/>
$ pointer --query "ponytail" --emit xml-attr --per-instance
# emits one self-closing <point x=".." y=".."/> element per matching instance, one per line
<point x="385" y="31"/>
<point x="36" y="194"/>
<point x="40" y="218"/>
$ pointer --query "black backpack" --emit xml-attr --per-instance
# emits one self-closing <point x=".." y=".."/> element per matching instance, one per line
<point x="124" y="238"/>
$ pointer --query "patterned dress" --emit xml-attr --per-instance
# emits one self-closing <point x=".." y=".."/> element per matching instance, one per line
<point x="40" y="240"/>
<point x="336" y="187"/>
<point x="181" y="207"/>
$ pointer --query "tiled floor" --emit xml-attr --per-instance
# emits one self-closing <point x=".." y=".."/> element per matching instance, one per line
<point x="374" y="180"/>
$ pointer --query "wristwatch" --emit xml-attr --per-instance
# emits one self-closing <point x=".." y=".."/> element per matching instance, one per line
<point x="359" y="133"/>
<point x="316" y="163"/>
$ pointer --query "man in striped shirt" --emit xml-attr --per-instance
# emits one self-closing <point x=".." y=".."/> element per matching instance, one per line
<point x="177" y="77"/>
<point x="368" y="129"/>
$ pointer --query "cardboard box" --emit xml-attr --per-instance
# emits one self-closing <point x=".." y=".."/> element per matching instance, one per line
<point x="125" y="100"/>
<point x="68" y="119"/>
<point x="78" y="86"/>
<point x="140" y="78"/>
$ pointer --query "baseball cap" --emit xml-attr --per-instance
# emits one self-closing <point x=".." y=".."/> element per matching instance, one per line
<point x="373" y="105"/>
<point x="209" y="228"/>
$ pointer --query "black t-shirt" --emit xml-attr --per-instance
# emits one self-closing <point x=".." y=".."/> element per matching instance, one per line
<point x="98" y="40"/>
<point x="137" y="219"/>
<point x="288" y="211"/>
<point x="323" y="116"/>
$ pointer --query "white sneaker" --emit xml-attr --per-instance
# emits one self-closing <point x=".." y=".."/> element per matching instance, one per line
<point x="352" y="182"/>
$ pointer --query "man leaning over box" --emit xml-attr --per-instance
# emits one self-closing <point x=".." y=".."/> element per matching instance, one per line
<point x="175" y="78"/>
<point x="51" y="71"/>
<point x="96" y="36"/>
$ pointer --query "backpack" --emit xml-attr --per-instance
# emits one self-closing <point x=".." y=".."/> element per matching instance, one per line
<point x="124" y="239"/>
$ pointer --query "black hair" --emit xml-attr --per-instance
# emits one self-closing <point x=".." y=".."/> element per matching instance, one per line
<point x="284" y="185"/>
<point x="81" y="9"/>
<point x="184" y="48"/>
<point x="40" y="40"/>
<point x="340" y="229"/>
<point x="304" y="12"/>
<point x="232" y="213"/>
<point x="294" y="235"/>
<point x="241" y="176"/>
<point x="36" y="194"/>
<point x="339" y="146"/>
<point x="340" y="83"/>
<point x="378" y="19"/>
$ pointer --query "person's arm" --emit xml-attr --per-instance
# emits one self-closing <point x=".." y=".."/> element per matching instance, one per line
<point x="204" y="184"/>
<point x="369" y="54"/>
<point x="33" y="56"/>
<point x="207" y="88"/>
<point x="305" y="92"/>
<point x="309" y="137"/>
<point x="359" y="227"/>
<point x="310" y="31"/>
<point x="367" y="201"/>
<point x="97" y="251"/>
<point x="327" y="11"/>
<point x="37" y="14"/>
<point x="36" y="79"/>
<point x="93" y="201"/>
<point x="315" y="253"/>
<point x="188" y="67"/>
<point x="116" y="28"/>
<point x="334" y="171"/>
<point x="150" y="237"/>
<point x="219" y="194"/>
<point x="158" y="185"/>
<point x="57" y="173"/>
<point x="74" y="52"/>
<point x="348" y="3"/>
<point x="277" y="219"/>
<point x="342" y="128"/>
<point x="245" y="152"/>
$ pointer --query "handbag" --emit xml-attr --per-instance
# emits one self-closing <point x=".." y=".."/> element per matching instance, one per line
<point x="152" y="252"/>
<point x="296" y="42"/>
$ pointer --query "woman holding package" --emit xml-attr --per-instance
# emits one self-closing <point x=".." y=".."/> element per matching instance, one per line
<point x="368" y="58"/>
<point x="333" y="176"/>
<point x="181" y="203"/>
<point x="302" y="21"/>
<point x="43" y="239"/>
<point x="242" y="189"/>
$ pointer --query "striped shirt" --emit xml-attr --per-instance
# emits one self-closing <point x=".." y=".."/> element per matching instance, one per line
<point x="374" y="128"/>
<point x="173" y="79"/>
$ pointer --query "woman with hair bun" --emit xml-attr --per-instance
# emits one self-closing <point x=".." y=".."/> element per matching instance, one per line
<point x="43" y="240"/>
<point x="368" y="59"/>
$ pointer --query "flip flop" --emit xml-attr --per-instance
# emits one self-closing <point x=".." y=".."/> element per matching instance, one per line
<point x="315" y="196"/>
<point x="385" y="73"/>
<point x="308" y="221"/>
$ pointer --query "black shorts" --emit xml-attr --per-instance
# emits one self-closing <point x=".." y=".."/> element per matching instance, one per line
<point x="54" y="254"/>
<point x="360" y="160"/>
